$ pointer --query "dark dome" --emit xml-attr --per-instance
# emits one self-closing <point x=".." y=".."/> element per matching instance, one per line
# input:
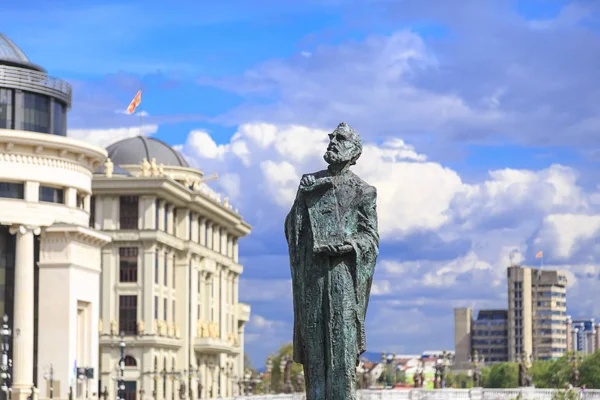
<point x="133" y="150"/>
<point x="11" y="54"/>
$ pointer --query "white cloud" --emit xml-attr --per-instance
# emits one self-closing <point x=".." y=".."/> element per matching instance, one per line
<point x="104" y="137"/>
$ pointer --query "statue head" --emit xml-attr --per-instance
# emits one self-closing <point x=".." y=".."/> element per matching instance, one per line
<point x="344" y="147"/>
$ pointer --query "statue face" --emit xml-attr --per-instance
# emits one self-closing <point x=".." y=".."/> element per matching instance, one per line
<point x="344" y="145"/>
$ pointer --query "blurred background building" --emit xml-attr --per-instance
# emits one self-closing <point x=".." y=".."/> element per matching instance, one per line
<point x="534" y="323"/>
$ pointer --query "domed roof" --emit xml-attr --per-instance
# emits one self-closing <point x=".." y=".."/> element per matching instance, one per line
<point x="11" y="54"/>
<point x="133" y="150"/>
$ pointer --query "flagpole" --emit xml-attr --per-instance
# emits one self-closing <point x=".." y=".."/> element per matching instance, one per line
<point x="141" y="116"/>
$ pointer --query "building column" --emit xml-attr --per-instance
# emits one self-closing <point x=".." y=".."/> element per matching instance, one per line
<point x="209" y="235"/>
<point x="235" y="250"/>
<point x="161" y="216"/>
<point x="224" y="237"/>
<point x="202" y="299"/>
<point x="194" y="227"/>
<point x="23" y="311"/>
<point x="148" y="263"/>
<point x="202" y="232"/>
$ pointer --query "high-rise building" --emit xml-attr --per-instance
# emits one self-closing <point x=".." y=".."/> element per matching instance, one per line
<point x="487" y="335"/>
<point x="583" y="336"/>
<point x="537" y="320"/>
<point x="463" y="321"/>
<point x="490" y="335"/>
<point x="170" y="277"/>
<point x="49" y="257"/>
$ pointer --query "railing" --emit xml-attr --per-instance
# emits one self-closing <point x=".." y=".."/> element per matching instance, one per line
<point x="35" y="81"/>
<point x="445" y="394"/>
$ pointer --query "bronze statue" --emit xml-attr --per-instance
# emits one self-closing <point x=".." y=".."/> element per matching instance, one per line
<point x="333" y="244"/>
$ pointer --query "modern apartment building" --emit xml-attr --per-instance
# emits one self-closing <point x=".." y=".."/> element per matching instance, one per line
<point x="537" y="318"/>
<point x="487" y="335"/>
<point x="583" y="335"/>
<point x="490" y="335"/>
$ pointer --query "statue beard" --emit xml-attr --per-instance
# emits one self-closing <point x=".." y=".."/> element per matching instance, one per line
<point x="333" y="158"/>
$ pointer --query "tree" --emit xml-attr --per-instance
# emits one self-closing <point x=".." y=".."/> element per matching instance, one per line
<point x="502" y="376"/>
<point x="552" y="373"/>
<point x="277" y="383"/>
<point x="248" y="362"/>
<point x="589" y="371"/>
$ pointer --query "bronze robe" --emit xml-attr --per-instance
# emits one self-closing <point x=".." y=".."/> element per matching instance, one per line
<point x="331" y="293"/>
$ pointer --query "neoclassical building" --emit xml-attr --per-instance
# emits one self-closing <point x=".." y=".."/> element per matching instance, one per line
<point x="170" y="276"/>
<point x="49" y="257"/>
<point x="96" y="250"/>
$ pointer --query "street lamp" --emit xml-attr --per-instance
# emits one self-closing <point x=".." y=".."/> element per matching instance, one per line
<point x="575" y="358"/>
<point x="121" y="383"/>
<point x="476" y="362"/>
<point x="6" y="365"/>
<point x="269" y="369"/>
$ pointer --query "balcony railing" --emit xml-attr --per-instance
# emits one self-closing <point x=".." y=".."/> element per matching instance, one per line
<point x="35" y="81"/>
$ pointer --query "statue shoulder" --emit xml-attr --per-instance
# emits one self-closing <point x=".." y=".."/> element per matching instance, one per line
<point x="368" y="192"/>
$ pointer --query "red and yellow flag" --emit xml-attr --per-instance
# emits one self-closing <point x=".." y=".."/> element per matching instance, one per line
<point x="539" y="255"/>
<point x="137" y="100"/>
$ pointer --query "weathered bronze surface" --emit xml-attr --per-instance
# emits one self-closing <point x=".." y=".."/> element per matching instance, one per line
<point x="333" y="245"/>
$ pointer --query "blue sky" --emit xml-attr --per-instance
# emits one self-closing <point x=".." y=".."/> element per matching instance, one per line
<point x="480" y="124"/>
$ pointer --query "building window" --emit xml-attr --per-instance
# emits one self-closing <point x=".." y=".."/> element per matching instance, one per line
<point x="174" y="272"/>
<point x="12" y="190"/>
<point x="166" y="218"/>
<point x="93" y="212"/>
<point x="128" y="314"/>
<point x="128" y="212"/>
<point x="175" y="221"/>
<point x="155" y="307"/>
<point x="174" y="311"/>
<point x="52" y="195"/>
<point x="165" y="309"/>
<point x="166" y="269"/>
<point x="165" y="378"/>
<point x="7" y="108"/>
<point x="36" y="113"/>
<point x="128" y="264"/>
<point x="130" y="361"/>
<point x="60" y="119"/>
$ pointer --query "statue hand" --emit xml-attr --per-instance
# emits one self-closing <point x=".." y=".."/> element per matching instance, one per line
<point x="307" y="181"/>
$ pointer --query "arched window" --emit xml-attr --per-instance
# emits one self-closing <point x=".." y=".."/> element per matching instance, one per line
<point x="130" y="361"/>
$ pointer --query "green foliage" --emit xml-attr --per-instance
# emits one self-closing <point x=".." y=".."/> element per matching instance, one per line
<point x="569" y="394"/>
<point x="502" y="375"/>
<point x="589" y="371"/>
<point x="551" y="374"/>
<point x="456" y="380"/>
<point x="276" y="384"/>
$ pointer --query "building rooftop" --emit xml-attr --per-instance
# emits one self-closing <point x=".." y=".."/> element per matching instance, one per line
<point x="132" y="151"/>
<point x="492" y="314"/>
<point x="11" y="54"/>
